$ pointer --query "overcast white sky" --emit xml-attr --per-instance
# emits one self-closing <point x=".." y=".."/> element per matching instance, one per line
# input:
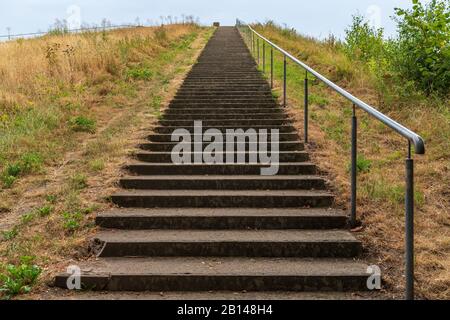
<point x="312" y="17"/>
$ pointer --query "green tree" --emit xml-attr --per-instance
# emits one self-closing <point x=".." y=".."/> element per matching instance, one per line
<point x="362" y="41"/>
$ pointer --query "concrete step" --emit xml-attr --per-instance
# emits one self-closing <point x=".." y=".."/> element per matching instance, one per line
<point x="168" y="146"/>
<point x="222" y="90"/>
<point x="224" y="70"/>
<point x="285" y="128"/>
<point x="235" y="274"/>
<point x="222" y="198"/>
<point x="223" y="104"/>
<point x="226" y="116"/>
<point x="212" y="182"/>
<point x="223" y="95"/>
<point x="166" y="156"/>
<point x="241" y="101"/>
<point x="209" y="83"/>
<point x="227" y="243"/>
<point x="224" y="87"/>
<point x="244" y="112"/>
<point x="227" y="122"/>
<point x="222" y="218"/>
<point x="168" y="137"/>
<point x="244" y="295"/>
<point x="254" y="78"/>
<point x="229" y="71"/>
<point x="284" y="168"/>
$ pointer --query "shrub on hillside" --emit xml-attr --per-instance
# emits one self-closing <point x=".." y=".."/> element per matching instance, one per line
<point x="418" y="58"/>
<point x="423" y="45"/>
<point x="364" y="42"/>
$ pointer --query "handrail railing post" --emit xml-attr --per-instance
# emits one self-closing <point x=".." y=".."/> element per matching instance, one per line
<point x="353" y="168"/>
<point x="249" y="37"/>
<point x="271" y="67"/>
<point x="264" y="56"/>
<point x="257" y="45"/>
<point x="409" y="226"/>
<point x="284" y="81"/>
<point x="305" y="123"/>
<point x="253" y="44"/>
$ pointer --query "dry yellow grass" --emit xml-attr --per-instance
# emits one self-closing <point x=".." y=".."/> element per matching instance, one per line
<point x="55" y="86"/>
<point x="381" y="189"/>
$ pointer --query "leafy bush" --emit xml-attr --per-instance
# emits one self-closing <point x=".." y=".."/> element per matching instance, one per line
<point x="423" y="46"/>
<point x="19" y="278"/>
<point x="418" y="58"/>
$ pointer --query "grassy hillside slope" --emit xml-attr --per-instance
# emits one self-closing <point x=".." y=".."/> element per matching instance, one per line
<point x="72" y="108"/>
<point x="381" y="155"/>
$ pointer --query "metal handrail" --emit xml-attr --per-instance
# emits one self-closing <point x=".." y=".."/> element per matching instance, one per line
<point x="412" y="137"/>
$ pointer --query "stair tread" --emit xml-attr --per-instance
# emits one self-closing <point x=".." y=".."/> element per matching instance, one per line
<point x="226" y="212"/>
<point x="208" y="142"/>
<point x="222" y="177"/>
<point x="168" y="164"/>
<point x="140" y="151"/>
<point x="273" y="236"/>
<point x="217" y="266"/>
<point x="229" y="193"/>
<point x="216" y="295"/>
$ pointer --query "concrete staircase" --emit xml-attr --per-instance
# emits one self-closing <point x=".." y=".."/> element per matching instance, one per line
<point x="216" y="227"/>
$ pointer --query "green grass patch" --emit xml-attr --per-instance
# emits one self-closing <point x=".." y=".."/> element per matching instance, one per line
<point x="78" y="181"/>
<point x="72" y="220"/>
<point x="139" y="73"/>
<point x="10" y="234"/>
<point x="381" y="190"/>
<point x="29" y="163"/>
<point x="28" y="217"/>
<point x="363" y="165"/>
<point x="45" y="210"/>
<point x="315" y="99"/>
<point x="82" y="124"/>
<point x="51" y="198"/>
<point x="97" y="165"/>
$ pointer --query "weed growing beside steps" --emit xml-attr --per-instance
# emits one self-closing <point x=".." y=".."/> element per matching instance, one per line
<point x="381" y="156"/>
<point x="78" y="168"/>
<point x="18" y="279"/>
